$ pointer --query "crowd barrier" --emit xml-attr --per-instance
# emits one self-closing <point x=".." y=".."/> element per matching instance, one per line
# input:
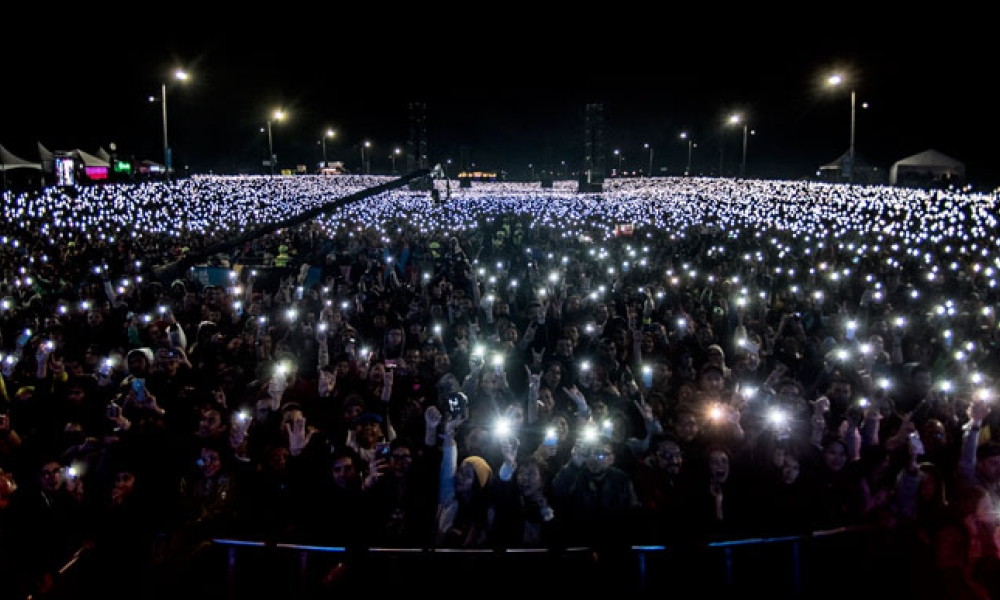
<point x="856" y="561"/>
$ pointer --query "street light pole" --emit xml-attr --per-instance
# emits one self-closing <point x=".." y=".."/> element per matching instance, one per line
<point x="278" y="115"/>
<point x="364" y="169"/>
<point x="270" y="148"/>
<point x="850" y="173"/>
<point x="743" y="166"/>
<point x="835" y="80"/>
<point x="737" y="118"/>
<point x="395" y="153"/>
<point x="722" y="147"/>
<point x="166" y="146"/>
<point x="650" y="148"/>
<point x="618" y="153"/>
<point x="329" y="134"/>
<point x="684" y="136"/>
<point x="179" y="75"/>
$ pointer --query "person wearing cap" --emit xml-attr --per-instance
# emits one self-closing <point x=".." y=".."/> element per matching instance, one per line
<point x="368" y="429"/>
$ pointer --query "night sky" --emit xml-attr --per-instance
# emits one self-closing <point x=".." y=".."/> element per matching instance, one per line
<point x="505" y="91"/>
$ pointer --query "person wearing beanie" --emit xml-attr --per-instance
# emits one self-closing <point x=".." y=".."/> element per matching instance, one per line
<point x="465" y="508"/>
<point x="480" y="468"/>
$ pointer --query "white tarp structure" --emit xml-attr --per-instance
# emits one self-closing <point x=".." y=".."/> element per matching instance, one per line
<point x="48" y="164"/>
<point x="928" y="168"/>
<point x="841" y="170"/>
<point x="89" y="160"/>
<point x="8" y="162"/>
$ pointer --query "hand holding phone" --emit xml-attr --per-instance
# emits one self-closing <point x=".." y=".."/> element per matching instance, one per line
<point x="139" y="387"/>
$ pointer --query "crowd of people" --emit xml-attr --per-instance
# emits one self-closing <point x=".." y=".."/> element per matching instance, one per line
<point x="671" y="361"/>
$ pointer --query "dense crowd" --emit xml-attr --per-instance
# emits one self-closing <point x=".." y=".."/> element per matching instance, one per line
<point x="670" y="361"/>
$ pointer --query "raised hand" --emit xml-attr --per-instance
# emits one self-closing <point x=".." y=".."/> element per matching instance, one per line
<point x="537" y="357"/>
<point x="432" y="417"/>
<point x="298" y="435"/>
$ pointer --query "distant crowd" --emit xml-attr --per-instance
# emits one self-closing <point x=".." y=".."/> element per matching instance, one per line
<point x="669" y="361"/>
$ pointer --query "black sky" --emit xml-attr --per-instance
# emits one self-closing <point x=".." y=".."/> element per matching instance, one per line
<point x="510" y="89"/>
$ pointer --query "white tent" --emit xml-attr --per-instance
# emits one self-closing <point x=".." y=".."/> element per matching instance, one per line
<point x="927" y="168"/>
<point x="89" y="160"/>
<point x="8" y="162"/>
<point x="862" y="172"/>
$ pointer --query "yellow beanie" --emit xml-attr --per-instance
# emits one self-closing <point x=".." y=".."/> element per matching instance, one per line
<point x="482" y="469"/>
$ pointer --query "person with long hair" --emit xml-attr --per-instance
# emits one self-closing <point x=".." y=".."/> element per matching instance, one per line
<point x="465" y="512"/>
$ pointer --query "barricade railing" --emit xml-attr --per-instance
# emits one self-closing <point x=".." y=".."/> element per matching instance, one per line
<point x="793" y="566"/>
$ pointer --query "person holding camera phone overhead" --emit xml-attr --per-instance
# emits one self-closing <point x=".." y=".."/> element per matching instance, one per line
<point x="465" y="508"/>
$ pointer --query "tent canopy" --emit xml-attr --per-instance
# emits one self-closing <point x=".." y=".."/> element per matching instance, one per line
<point x="930" y="158"/>
<point x="929" y="167"/>
<point x="8" y="161"/>
<point x="89" y="160"/>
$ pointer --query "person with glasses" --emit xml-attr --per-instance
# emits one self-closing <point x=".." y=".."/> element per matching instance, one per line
<point x="595" y="502"/>
<point x="402" y="498"/>
<point x="663" y="484"/>
<point x="48" y="523"/>
<point x="338" y="514"/>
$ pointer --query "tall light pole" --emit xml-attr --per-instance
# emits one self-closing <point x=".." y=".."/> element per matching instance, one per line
<point x="364" y="146"/>
<point x="395" y="153"/>
<point x="684" y="136"/>
<point x="649" y="147"/>
<point x="722" y="148"/>
<point x="835" y="80"/>
<point x="736" y="119"/>
<point x="328" y="134"/>
<point x="277" y="115"/>
<point x="618" y="153"/>
<point x="179" y="75"/>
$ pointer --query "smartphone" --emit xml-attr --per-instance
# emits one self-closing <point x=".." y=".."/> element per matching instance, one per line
<point x="390" y="363"/>
<point x="114" y="411"/>
<point x="381" y="449"/>
<point x="242" y="416"/>
<point x="458" y="404"/>
<point x="139" y="387"/>
<point x="106" y="367"/>
<point x="551" y="437"/>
